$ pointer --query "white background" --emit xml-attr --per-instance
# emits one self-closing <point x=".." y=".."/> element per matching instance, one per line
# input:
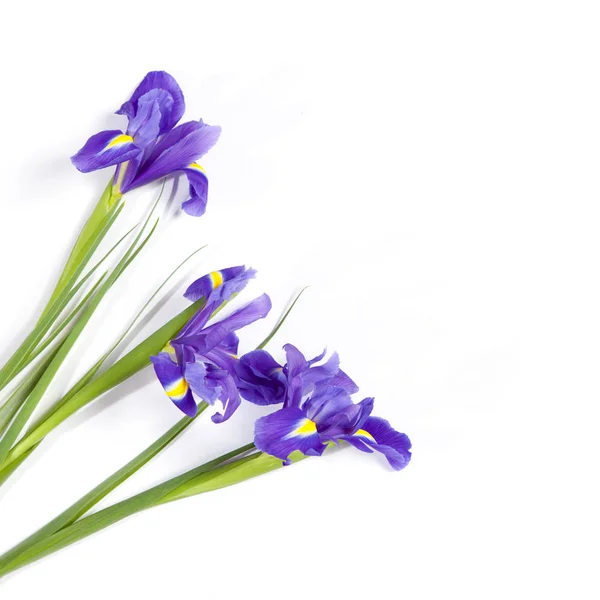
<point x="431" y="170"/>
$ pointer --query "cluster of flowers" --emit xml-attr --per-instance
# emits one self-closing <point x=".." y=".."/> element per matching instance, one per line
<point x="194" y="356"/>
<point x="203" y="362"/>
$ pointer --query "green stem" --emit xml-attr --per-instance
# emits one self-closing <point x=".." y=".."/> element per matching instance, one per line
<point x="15" y="401"/>
<point x="85" y="503"/>
<point x="19" y="422"/>
<point x="54" y="309"/>
<point x="90" y="230"/>
<point x="131" y="363"/>
<point x="119" y="511"/>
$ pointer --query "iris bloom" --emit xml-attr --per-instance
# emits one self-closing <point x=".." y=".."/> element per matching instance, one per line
<point x="317" y="409"/>
<point x="153" y="145"/>
<point x="201" y="361"/>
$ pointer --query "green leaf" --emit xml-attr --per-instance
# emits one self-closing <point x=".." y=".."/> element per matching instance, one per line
<point x="84" y="504"/>
<point x="11" y="368"/>
<point x="131" y="363"/>
<point x="103" y="518"/>
<point x="281" y="322"/>
<point x="92" y="231"/>
<point x="15" y="401"/>
<point x="19" y="422"/>
<point x="61" y="327"/>
<point x="8" y="471"/>
<point x="240" y="470"/>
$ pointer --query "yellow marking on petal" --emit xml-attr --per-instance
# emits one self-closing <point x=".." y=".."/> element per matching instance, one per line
<point x="177" y="390"/>
<point x="196" y="166"/>
<point x="366" y="434"/>
<point x="216" y="279"/>
<point x="120" y="139"/>
<point x="308" y="427"/>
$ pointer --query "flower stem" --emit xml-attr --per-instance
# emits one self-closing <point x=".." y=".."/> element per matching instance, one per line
<point x="105" y="205"/>
<point x="131" y="363"/>
<point x="216" y="472"/>
<point x="85" y="503"/>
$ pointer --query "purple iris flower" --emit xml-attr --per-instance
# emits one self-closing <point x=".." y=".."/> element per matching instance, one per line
<point x="262" y="380"/>
<point x="201" y="361"/>
<point x="317" y="409"/>
<point x="153" y="146"/>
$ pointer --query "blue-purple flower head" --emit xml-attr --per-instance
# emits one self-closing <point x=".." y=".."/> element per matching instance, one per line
<point x="317" y="408"/>
<point x="153" y="145"/>
<point x="200" y="363"/>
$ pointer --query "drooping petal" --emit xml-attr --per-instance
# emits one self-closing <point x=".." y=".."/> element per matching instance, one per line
<point x="205" y="387"/>
<point x="282" y="432"/>
<point x="172" y="104"/>
<point x="105" y="149"/>
<point x="176" y="150"/>
<point x="230" y="398"/>
<point x="221" y="284"/>
<point x="260" y="378"/>
<point x="195" y="206"/>
<point x="176" y="387"/>
<point x="380" y="435"/>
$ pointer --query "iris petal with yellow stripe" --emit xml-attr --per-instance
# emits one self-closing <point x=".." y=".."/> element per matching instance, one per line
<point x="176" y="387"/>
<point x="105" y="149"/>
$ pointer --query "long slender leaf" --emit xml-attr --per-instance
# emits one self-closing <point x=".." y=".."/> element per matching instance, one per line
<point x="131" y="363"/>
<point x="15" y="401"/>
<point x="102" y="519"/>
<point x="281" y="322"/>
<point x="84" y="504"/>
<point x="62" y="325"/>
<point x="11" y="368"/>
<point x="91" y="231"/>
<point x="8" y="471"/>
<point x="36" y="395"/>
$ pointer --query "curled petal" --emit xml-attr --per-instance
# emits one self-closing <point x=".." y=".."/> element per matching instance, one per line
<point x="285" y="431"/>
<point x="172" y="105"/>
<point x="230" y="399"/>
<point x="204" y="386"/>
<point x="195" y="206"/>
<point x="176" y="387"/>
<point x="145" y="126"/>
<point x="261" y="378"/>
<point x="105" y="149"/>
<point x="220" y="285"/>
<point x="379" y="435"/>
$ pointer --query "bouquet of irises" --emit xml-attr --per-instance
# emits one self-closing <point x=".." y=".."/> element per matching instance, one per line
<point x="194" y="355"/>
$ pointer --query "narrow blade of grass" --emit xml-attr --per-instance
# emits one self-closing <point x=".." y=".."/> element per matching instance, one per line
<point x="281" y="322"/>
